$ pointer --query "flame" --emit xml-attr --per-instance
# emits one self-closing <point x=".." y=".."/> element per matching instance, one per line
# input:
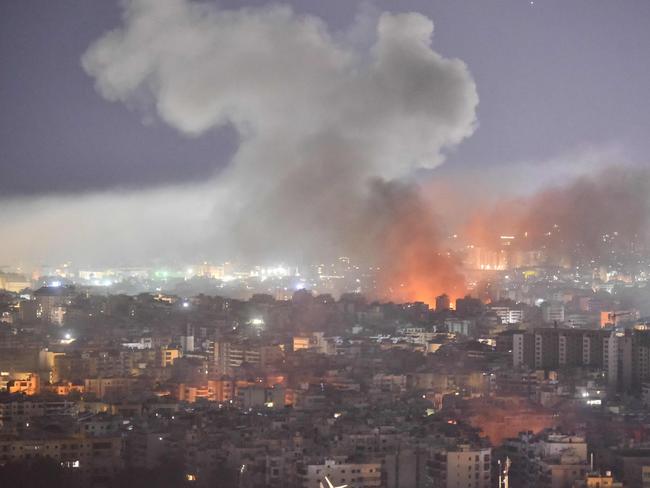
<point x="415" y="267"/>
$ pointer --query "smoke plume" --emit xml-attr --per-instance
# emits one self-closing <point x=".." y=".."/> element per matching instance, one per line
<point x="406" y="238"/>
<point x="327" y="129"/>
<point x="587" y="217"/>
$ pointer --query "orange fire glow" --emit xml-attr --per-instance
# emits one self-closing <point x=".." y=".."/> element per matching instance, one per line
<point x="415" y="267"/>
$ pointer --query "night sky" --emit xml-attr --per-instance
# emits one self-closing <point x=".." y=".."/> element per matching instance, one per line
<point x="554" y="78"/>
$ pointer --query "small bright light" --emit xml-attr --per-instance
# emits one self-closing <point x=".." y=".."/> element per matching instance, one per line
<point x="186" y="304"/>
<point x="585" y="394"/>
<point x="68" y="336"/>
<point x="55" y="284"/>
<point x="257" y="321"/>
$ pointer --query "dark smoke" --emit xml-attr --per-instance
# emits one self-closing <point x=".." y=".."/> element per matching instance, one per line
<point x="586" y="218"/>
<point x="406" y="237"/>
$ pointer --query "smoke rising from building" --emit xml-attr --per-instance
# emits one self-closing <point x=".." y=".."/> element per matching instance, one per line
<point x="321" y="122"/>
<point x="406" y="237"/>
<point x="330" y="132"/>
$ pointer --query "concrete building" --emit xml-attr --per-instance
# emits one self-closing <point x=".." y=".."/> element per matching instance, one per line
<point x="19" y="409"/>
<point x="549" y="460"/>
<point x="98" y="458"/>
<point x="229" y="356"/>
<point x="13" y="282"/>
<point x="508" y="315"/>
<point x="187" y="340"/>
<point x="552" y="312"/>
<point x="626" y="362"/>
<point x="109" y="387"/>
<point x="443" y="303"/>
<point x="341" y="472"/>
<point x="26" y="383"/>
<point x="168" y="355"/>
<point x="464" y="466"/>
<point x="463" y="327"/>
<point x="315" y="342"/>
<point x="554" y="348"/>
<point x="598" y="480"/>
<point x="469" y="307"/>
<point x="51" y="302"/>
<point x="28" y="311"/>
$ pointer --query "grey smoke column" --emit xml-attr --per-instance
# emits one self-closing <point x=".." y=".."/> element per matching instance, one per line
<point x="317" y="116"/>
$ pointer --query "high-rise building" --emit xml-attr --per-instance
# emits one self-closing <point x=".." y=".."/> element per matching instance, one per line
<point x="553" y="348"/>
<point x="623" y="357"/>
<point x="630" y="358"/>
<point x="230" y="355"/>
<point x="222" y="357"/>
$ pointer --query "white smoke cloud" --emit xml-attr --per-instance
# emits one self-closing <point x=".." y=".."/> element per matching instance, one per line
<point x="318" y="116"/>
<point x="105" y="228"/>
<point x="272" y="72"/>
